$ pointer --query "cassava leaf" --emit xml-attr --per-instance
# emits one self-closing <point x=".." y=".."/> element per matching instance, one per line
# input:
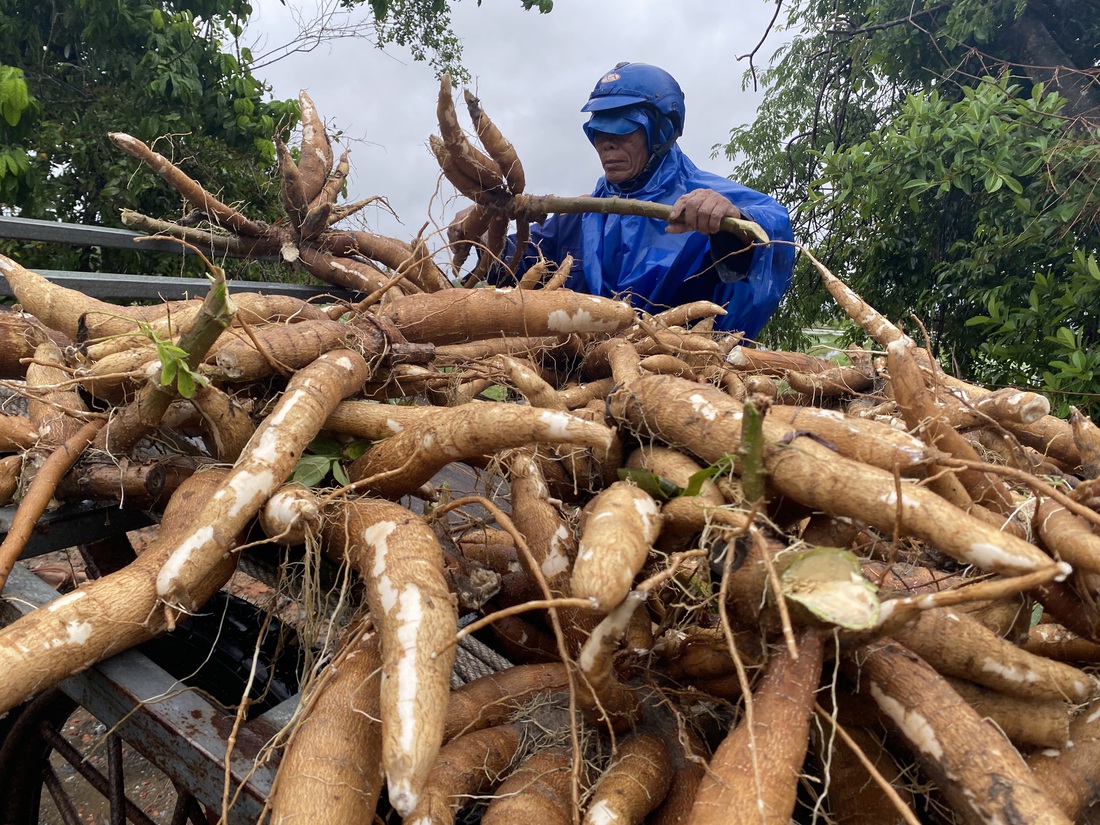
<point x="325" y="445"/>
<point x="356" y="448"/>
<point x="657" y="486"/>
<point x="168" y="372"/>
<point x="829" y="583"/>
<point x="311" y="470"/>
<point x="185" y="383"/>
<point x="340" y="474"/>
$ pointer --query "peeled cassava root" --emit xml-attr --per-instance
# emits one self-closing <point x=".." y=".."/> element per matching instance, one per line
<point x="399" y="558"/>
<point x="707" y="564"/>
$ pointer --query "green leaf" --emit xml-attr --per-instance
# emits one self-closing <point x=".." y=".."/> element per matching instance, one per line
<point x="1036" y="614"/>
<point x="696" y="479"/>
<point x="168" y="371"/>
<point x="326" y="445"/>
<point x="185" y="383"/>
<point x="1093" y="267"/>
<point x="340" y="474"/>
<point x="311" y="470"/>
<point x="356" y="448"/>
<point x="14" y="95"/>
<point x="829" y="582"/>
<point x="656" y="486"/>
<point x="722" y="466"/>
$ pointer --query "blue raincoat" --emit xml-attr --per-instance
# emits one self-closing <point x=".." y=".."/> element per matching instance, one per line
<point x="634" y="258"/>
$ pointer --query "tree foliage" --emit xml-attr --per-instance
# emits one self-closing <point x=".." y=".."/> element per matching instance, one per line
<point x="172" y="73"/>
<point x="424" y="27"/>
<point x="941" y="158"/>
<point x="70" y="72"/>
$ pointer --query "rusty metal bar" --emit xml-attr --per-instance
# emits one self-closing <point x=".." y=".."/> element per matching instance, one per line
<point x="172" y="726"/>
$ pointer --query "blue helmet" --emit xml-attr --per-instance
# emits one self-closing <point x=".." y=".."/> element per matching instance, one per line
<point x="639" y="86"/>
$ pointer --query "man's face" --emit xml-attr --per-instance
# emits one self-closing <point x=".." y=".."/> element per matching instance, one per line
<point x="622" y="156"/>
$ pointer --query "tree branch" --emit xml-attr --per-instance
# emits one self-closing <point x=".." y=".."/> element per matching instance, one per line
<point x="889" y="24"/>
<point x="757" y="47"/>
<point x="1045" y="61"/>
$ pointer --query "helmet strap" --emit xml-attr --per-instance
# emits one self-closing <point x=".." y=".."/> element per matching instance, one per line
<point x="654" y="160"/>
<point x="651" y="164"/>
<point x="656" y="118"/>
<point x="661" y="151"/>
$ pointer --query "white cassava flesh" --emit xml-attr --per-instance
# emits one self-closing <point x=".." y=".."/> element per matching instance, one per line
<point x="267" y="461"/>
<point x="621" y="523"/>
<point x="401" y="563"/>
<point x="291" y="514"/>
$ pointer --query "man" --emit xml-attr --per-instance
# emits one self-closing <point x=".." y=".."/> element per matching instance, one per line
<point x="637" y="114"/>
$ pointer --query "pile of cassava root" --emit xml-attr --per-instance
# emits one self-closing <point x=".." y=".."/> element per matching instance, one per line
<point x="737" y="585"/>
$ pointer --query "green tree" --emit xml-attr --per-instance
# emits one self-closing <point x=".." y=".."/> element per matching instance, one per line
<point x="424" y="27"/>
<point x="938" y="157"/>
<point x="977" y="216"/>
<point x="174" y="74"/>
<point x="70" y="72"/>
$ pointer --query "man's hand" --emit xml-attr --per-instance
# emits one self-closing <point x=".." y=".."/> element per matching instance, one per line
<point x="701" y="210"/>
<point x="454" y="228"/>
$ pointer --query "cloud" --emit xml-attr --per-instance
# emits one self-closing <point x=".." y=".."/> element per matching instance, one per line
<point x="532" y="73"/>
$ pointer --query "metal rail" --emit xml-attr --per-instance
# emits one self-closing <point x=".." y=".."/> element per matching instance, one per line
<point x="78" y="234"/>
<point x="123" y="288"/>
<point x="176" y="728"/>
<point x="82" y="522"/>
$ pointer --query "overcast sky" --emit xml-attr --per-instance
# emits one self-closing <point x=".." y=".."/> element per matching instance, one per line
<point x="532" y="72"/>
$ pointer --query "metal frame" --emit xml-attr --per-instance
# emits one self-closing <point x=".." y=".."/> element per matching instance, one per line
<point x="175" y="728"/>
<point x="83" y="522"/>
<point x="113" y="286"/>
